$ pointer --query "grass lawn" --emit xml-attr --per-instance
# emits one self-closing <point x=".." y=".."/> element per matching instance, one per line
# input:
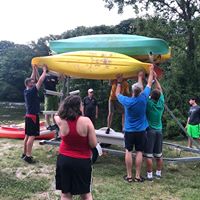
<point x="19" y="180"/>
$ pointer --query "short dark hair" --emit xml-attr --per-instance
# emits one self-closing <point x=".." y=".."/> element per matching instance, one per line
<point x="27" y="81"/>
<point x="155" y="94"/>
<point x="137" y="91"/>
<point x="70" y="108"/>
<point x="195" y="98"/>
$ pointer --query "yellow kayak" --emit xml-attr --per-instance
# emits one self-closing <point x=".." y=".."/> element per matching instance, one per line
<point x="99" y="65"/>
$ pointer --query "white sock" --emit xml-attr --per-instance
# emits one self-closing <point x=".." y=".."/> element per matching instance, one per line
<point x="149" y="175"/>
<point x="158" y="172"/>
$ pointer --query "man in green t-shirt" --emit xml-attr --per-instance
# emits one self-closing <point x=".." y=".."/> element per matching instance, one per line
<point x="153" y="147"/>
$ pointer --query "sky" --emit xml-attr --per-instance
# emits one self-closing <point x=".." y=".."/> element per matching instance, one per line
<point x="22" y="21"/>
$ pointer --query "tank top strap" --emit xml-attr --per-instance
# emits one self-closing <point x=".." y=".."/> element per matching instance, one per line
<point x="72" y="125"/>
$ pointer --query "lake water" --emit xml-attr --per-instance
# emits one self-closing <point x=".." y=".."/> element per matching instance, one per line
<point x="11" y="113"/>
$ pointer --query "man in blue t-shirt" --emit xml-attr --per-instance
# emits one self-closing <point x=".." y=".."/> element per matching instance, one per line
<point x="32" y="103"/>
<point x="135" y="123"/>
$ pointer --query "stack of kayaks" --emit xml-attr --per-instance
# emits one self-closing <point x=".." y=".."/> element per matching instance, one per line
<point x="18" y="132"/>
<point x="104" y="56"/>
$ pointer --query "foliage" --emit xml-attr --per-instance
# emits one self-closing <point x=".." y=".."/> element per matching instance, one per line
<point x="81" y="30"/>
<point x="14" y="68"/>
<point x="178" y="23"/>
<point x="172" y="22"/>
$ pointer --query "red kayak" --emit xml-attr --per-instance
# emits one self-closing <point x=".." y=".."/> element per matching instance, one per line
<point x="18" y="132"/>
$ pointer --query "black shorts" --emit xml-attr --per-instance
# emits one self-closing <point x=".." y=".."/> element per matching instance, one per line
<point x="73" y="175"/>
<point x="153" y="146"/>
<point x="32" y="125"/>
<point x="135" y="138"/>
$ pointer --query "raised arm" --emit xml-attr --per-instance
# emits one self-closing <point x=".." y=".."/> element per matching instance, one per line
<point x="150" y="78"/>
<point x="119" y="81"/>
<point x="37" y="76"/>
<point x="34" y="72"/>
<point x="97" y="111"/>
<point x="158" y="86"/>
<point x="42" y="77"/>
<point x="140" y="78"/>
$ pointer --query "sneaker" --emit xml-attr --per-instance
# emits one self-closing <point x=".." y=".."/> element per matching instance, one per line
<point x="49" y="128"/>
<point x="149" y="179"/>
<point x="29" y="159"/>
<point x="53" y="127"/>
<point x="23" y="156"/>
<point x="108" y="131"/>
<point x="158" y="176"/>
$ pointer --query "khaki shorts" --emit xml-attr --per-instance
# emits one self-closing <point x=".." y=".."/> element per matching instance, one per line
<point x="114" y="105"/>
<point x="51" y="103"/>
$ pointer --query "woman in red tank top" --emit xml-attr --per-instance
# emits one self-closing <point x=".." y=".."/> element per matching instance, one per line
<point x="73" y="170"/>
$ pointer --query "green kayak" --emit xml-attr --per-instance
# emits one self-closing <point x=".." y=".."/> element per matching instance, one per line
<point x="120" y="43"/>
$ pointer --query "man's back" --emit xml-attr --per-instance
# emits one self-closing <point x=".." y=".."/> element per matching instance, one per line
<point x="135" y="111"/>
<point x="154" y="112"/>
<point x="32" y="100"/>
<point x="50" y="82"/>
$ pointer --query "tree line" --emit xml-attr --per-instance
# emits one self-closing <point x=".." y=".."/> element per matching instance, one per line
<point x="178" y="23"/>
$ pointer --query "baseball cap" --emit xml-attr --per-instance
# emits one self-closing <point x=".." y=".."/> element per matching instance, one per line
<point x="90" y="90"/>
<point x="137" y="85"/>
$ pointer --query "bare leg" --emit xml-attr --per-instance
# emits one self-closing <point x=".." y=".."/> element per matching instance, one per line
<point x="29" y="145"/>
<point x="159" y="163"/>
<point x="53" y="119"/>
<point x="66" y="196"/>
<point x="25" y="144"/>
<point x="87" y="196"/>
<point x="149" y="163"/>
<point x="189" y="143"/>
<point x="129" y="163"/>
<point x="138" y="163"/>
<point x="109" y="119"/>
<point x="47" y="119"/>
<point x="122" y="121"/>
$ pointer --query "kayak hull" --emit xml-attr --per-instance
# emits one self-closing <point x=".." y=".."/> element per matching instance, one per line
<point x="18" y="132"/>
<point x="96" y="65"/>
<point x="131" y="45"/>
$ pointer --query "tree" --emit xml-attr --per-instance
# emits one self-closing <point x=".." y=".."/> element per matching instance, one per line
<point x="15" y="66"/>
<point x="82" y="30"/>
<point x="184" y="11"/>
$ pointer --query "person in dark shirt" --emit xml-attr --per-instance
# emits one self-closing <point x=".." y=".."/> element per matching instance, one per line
<point x="50" y="101"/>
<point x="32" y="104"/>
<point x="193" y="122"/>
<point x="90" y="106"/>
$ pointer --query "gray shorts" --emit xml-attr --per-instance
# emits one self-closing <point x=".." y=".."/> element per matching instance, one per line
<point x="114" y="105"/>
<point x="153" y="144"/>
